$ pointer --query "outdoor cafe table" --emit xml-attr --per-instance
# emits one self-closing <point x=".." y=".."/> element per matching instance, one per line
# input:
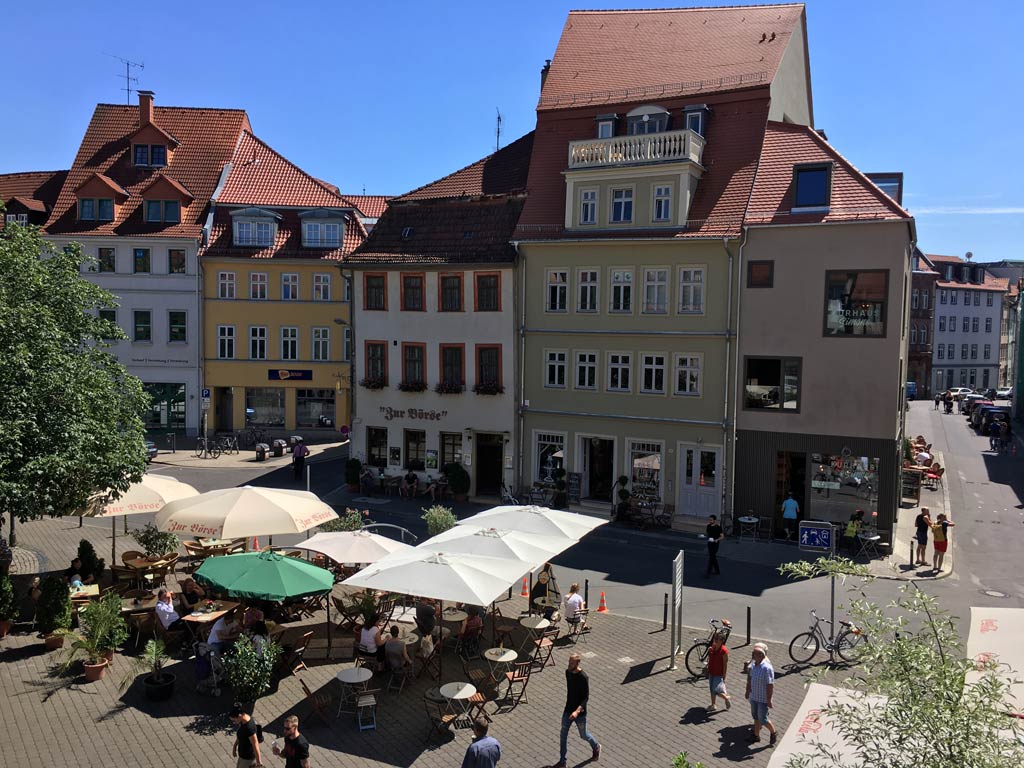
<point x="458" y="696"/>
<point x="869" y="544"/>
<point x="352" y="680"/>
<point x="129" y="604"/>
<point x="748" y="526"/>
<point x="454" y="615"/>
<point x="202" y="621"/>
<point x="499" y="657"/>
<point x="533" y="625"/>
<point x="85" y="591"/>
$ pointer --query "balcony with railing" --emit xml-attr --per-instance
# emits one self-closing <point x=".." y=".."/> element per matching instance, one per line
<point x="664" y="147"/>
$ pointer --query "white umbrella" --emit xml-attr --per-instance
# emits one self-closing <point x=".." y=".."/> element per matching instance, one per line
<point x="539" y="521"/>
<point x="428" y="571"/>
<point x="232" y="513"/>
<point x="533" y="550"/>
<point x="150" y="494"/>
<point x="352" y="546"/>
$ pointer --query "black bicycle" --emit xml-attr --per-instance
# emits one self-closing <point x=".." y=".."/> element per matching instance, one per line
<point x="848" y="643"/>
<point x="251" y="436"/>
<point x="227" y="443"/>
<point x="697" y="656"/>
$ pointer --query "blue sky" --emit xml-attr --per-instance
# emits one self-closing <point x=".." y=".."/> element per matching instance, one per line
<point x="391" y="95"/>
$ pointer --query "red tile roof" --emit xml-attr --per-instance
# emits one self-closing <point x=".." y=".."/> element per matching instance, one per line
<point x="370" y="206"/>
<point x="36" y="190"/>
<point x="734" y="134"/>
<point x="287" y="244"/>
<point x="262" y="177"/>
<point x="854" y="197"/>
<point x="207" y="139"/>
<point x="503" y="172"/>
<point x="612" y="57"/>
<point x="990" y="283"/>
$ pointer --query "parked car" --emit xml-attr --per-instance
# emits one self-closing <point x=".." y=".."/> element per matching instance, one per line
<point x="973" y="401"/>
<point x="959" y="392"/>
<point x="151" y="451"/>
<point x="983" y="416"/>
<point x="1004" y="393"/>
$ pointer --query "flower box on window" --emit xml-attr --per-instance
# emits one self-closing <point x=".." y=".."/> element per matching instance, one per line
<point x="373" y="382"/>
<point x="489" y="388"/>
<point x="449" y="388"/>
<point x="412" y="386"/>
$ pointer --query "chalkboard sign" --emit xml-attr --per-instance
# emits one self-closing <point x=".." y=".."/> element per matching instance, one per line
<point x="575" y="485"/>
<point x="912" y="485"/>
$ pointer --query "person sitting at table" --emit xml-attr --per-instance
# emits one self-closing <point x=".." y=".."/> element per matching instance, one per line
<point x="367" y="480"/>
<point x="260" y="636"/>
<point x="426" y="616"/>
<point x="224" y="632"/>
<point x="371" y="643"/>
<point x="253" y="615"/>
<point x="396" y="652"/>
<point x="437" y="486"/>
<point x="73" y="575"/>
<point x="852" y="530"/>
<point x="165" y="612"/>
<point x="191" y="593"/>
<point x="469" y="633"/>
<point x="409" y="484"/>
<point x="573" y="605"/>
<point x="923" y="458"/>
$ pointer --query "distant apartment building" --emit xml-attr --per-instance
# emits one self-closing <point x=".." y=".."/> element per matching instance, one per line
<point x="968" y="316"/>
<point x="922" y="325"/>
<point x="1009" y="338"/>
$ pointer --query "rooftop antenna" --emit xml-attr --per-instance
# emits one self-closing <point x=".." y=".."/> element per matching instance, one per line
<point x="128" y="79"/>
<point x="497" y="131"/>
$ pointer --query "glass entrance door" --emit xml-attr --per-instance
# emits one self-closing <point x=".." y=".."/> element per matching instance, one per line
<point x="700" y="492"/>
<point x="598" y="467"/>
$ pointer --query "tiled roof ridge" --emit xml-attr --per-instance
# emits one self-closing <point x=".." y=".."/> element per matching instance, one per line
<point x="402" y="198"/>
<point x="15" y="174"/>
<point x="957" y="259"/>
<point x="312" y="178"/>
<point x="743" y="82"/>
<point x="695" y="8"/>
<point x="163" y="106"/>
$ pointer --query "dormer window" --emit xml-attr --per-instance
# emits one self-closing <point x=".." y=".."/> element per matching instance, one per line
<point x="647" y="119"/>
<point x="87" y="210"/>
<point x="163" y="211"/>
<point x="606" y="126"/>
<point x="695" y="117"/>
<point x="316" y="234"/>
<point x="812" y="187"/>
<point x="150" y="155"/>
<point x="254" y="227"/>
<point x="92" y="209"/>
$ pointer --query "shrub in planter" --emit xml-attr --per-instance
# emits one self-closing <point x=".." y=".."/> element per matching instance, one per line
<point x="352" y="469"/>
<point x="439" y="519"/>
<point x="7" y="606"/>
<point x="53" y="611"/>
<point x="412" y="386"/>
<point x="155" y="542"/>
<point x="352" y="520"/>
<point x="448" y="388"/>
<point x="249" y="673"/>
<point x="489" y="388"/>
<point x="458" y="480"/>
<point x="102" y="630"/>
<point x="560" y="499"/>
<point x="373" y="382"/>
<point x="158" y="685"/>
<point x="91" y="564"/>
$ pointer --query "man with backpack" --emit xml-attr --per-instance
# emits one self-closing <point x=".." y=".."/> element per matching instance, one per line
<point x="248" y="735"/>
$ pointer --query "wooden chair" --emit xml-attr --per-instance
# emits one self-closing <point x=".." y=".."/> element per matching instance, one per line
<point x="431" y="663"/>
<point x="517" y="678"/>
<point x="543" y="646"/>
<point x="124" y="578"/>
<point x="143" y="624"/>
<point x="294" y="553"/>
<point x="131" y="554"/>
<point x="503" y="628"/>
<point x="309" y="607"/>
<point x="578" y="630"/>
<point x="440" y="718"/>
<point x="172" y="638"/>
<point x="479" y="675"/>
<point x="934" y="477"/>
<point x="348" y="615"/>
<point x="293" y="661"/>
<point x="398" y="676"/>
<point x="765" y="527"/>
<point x="385" y="609"/>
<point x="319" y="703"/>
<point x="366" y="709"/>
<point x="195" y="553"/>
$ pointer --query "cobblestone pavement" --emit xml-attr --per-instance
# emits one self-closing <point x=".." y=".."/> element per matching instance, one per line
<point x="642" y="713"/>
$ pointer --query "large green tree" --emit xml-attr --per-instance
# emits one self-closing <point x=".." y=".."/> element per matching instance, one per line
<point x="70" y="414"/>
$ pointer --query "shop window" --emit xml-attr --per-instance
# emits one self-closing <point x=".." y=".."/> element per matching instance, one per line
<point x="645" y="468"/>
<point x="166" y="406"/>
<point x="415" y="449"/>
<point x="314" y="407"/>
<point x="772" y="383"/>
<point x="377" y="447"/>
<point x="451" y="448"/>
<point x="264" y="406"/>
<point x="855" y="302"/>
<point x="840" y="485"/>
<point x="550" y="452"/>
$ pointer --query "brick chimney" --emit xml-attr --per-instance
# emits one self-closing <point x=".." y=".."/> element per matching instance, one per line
<point x="145" y="108"/>
<point x="544" y="72"/>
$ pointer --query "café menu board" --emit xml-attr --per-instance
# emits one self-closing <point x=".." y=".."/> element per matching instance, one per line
<point x="574" y="484"/>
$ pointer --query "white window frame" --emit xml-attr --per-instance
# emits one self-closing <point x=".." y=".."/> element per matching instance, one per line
<point x="289" y="285"/>
<point x="924" y="298"/>
<point x="989" y="299"/>
<point x="257" y="281"/>
<point x="289" y="342"/>
<point x="321" y="286"/>
<point x="942" y="323"/>
<point x="663" y="281"/>
<point x="321" y="234"/>
<point x="649" y="364"/>
<point x="913" y="298"/>
<point x="320" y="343"/>
<point x="923" y="336"/>
<point x="561" y="287"/>
<point x="974" y="351"/>
<point x="618" y="288"/>
<point x="966" y="324"/>
<point x="257" y="337"/>
<point x="638" y="446"/>
<point x="346" y="287"/>
<point x="588" y="286"/>
<point x="628" y="195"/>
<point x="661" y="203"/>
<point x="689" y="362"/>
<point x="951" y="351"/>
<point x="253" y="233"/>
<point x="588" y="207"/>
<point x="940" y="354"/>
<point x="913" y="336"/>
<point x="692" y="289"/>
<point x="227" y="284"/>
<point x="586" y="361"/>
<point x="225" y="338"/>
<point x="553" y="360"/>
<point x="942" y="295"/>
<point x="617" y="362"/>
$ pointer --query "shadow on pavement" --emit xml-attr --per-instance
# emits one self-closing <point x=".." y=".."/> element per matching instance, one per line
<point x="734" y="744"/>
<point x="1005" y="470"/>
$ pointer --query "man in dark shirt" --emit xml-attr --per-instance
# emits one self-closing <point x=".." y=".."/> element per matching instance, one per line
<point x="247" y="745"/>
<point x="426" y="616"/>
<point x="296" y="749"/>
<point x="577" y="693"/>
<point x="715" y="536"/>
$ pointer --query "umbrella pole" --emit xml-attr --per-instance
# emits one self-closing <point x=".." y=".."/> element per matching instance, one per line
<point x="113" y="540"/>
<point x="329" y="624"/>
<point x="440" y="656"/>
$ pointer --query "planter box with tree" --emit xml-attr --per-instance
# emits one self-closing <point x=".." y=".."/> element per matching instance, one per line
<point x="53" y="611"/>
<point x="439" y="519"/>
<point x="249" y="673"/>
<point x="102" y="630"/>
<point x="458" y="480"/>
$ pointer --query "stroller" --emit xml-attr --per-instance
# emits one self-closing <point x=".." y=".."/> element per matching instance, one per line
<point x="209" y="670"/>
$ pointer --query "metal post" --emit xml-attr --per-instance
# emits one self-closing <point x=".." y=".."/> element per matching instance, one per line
<point x="664" y="614"/>
<point x="80" y="523"/>
<point x="308" y="470"/>
<point x="832" y="610"/>
<point x="748" y="625"/>
<point x="586" y="585"/>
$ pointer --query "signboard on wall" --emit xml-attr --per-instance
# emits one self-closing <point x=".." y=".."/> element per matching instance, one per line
<point x="395" y="456"/>
<point x="431" y="462"/>
<point x="289" y="374"/>
<point x="574" y="486"/>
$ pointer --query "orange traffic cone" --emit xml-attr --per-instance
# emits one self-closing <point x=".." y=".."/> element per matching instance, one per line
<point x="255" y="544"/>
<point x="603" y="607"/>
<point x="525" y="592"/>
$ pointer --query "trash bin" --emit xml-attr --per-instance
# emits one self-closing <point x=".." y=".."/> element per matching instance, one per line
<point x="292" y="440"/>
<point x="261" y="451"/>
<point x="279" y="446"/>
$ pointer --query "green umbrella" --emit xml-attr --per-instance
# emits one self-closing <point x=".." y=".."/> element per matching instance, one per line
<point x="264" y="576"/>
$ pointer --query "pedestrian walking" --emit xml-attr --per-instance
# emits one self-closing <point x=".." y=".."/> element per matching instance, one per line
<point x="296" y="748"/>
<point x="718" y="668"/>
<point x="485" y="751"/>
<point x="247" y="744"/>
<point x="993" y="435"/>
<point x="938" y="399"/>
<point x="299" y="454"/>
<point x="577" y="695"/>
<point x="790" y="514"/>
<point x="922" y="524"/>
<point x="760" y="688"/>
<point x="715" y="536"/>
<point x="940" y="540"/>
<point x="1004" y="436"/>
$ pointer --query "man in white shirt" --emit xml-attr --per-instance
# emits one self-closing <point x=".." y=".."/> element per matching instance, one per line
<point x="225" y="630"/>
<point x="923" y="459"/>
<point x="165" y="612"/>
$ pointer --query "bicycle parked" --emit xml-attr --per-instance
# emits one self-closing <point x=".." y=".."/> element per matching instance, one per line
<point x="207" y="449"/>
<point x="227" y="443"/>
<point x="251" y="436"/>
<point x="507" y="497"/>
<point x="848" y="642"/>
<point x="697" y="656"/>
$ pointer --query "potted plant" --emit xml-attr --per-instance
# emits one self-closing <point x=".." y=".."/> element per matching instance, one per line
<point x="373" y="382"/>
<point x="412" y="385"/>
<point x="366" y="604"/>
<point x="7" y="607"/>
<point x="53" y="611"/>
<point x="352" y="469"/>
<point x="101" y="631"/>
<point x="249" y="672"/>
<point x="91" y="564"/>
<point x="623" y="495"/>
<point x="157" y="685"/>
<point x="448" y="388"/>
<point x="489" y="388"/>
<point x="352" y="520"/>
<point x="458" y="480"/>
<point x="439" y="519"/>
<point x="560" y="495"/>
<point x="155" y="542"/>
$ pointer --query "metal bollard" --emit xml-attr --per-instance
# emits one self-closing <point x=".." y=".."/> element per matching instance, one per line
<point x="664" y="614"/>
<point x="748" y="625"/>
<point x="586" y="591"/>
